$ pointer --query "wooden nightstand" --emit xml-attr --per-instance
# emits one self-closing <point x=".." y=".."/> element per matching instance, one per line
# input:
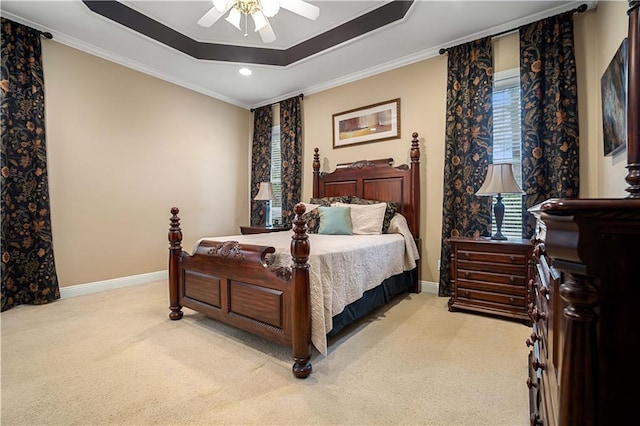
<point x="244" y="230"/>
<point x="491" y="276"/>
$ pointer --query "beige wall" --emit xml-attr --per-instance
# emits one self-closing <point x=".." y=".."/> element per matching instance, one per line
<point x="598" y="35"/>
<point x="123" y="148"/>
<point x="422" y="89"/>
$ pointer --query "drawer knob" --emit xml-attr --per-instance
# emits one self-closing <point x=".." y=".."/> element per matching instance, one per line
<point x="466" y="293"/>
<point x="511" y="299"/>
<point x="532" y="339"/>
<point x="537" y="364"/>
<point x="537" y="315"/>
<point x="512" y="258"/>
<point x="512" y="279"/>
<point x="466" y="274"/>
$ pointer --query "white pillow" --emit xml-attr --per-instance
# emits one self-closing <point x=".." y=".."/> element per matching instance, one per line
<point x="366" y="219"/>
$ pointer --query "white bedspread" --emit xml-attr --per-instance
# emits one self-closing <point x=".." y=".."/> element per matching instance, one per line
<point x="342" y="267"/>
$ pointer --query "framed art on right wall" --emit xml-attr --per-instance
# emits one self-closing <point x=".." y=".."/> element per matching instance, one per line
<point x="613" y="87"/>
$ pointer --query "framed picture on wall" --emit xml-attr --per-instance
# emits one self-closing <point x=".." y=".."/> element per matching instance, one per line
<point x="613" y="87"/>
<point x="372" y="123"/>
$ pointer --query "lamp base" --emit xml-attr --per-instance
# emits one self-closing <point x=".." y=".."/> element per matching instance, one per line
<point x="498" y="210"/>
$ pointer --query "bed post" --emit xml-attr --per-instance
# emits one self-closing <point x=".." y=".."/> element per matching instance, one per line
<point x="175" y="251"/>
<point x="316" y="173"/>
<point x="301" y="303"/>
<point x="414" y="226"/>
<point x="415" y="185"/>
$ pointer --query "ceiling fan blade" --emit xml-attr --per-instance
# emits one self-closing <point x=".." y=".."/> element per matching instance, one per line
<point x="267" y="34"/>
<point x="210" y="18"/>
<point x="301" y="7"/>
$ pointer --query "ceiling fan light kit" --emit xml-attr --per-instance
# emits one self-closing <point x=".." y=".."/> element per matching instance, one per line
<point x="259" y="10"/>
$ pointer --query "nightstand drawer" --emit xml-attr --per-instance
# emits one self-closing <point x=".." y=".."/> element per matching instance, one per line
<point x="493" y="287"/>
<point x="507" y="258"/>
<point x="486" y="296"/>
<point x="507" y="274"/>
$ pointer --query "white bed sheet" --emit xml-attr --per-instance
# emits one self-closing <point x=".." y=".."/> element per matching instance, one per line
<point x="342" y="267"/>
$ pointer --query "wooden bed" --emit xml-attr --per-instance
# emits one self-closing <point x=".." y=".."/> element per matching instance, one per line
<point x="231" y="283"/>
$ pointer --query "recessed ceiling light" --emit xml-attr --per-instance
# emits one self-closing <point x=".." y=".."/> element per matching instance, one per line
<point x="245" y="71"/>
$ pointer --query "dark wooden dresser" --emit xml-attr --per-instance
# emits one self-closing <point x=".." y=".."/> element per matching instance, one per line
<point x="583" y="366"/>
<point x="491" y="276"/>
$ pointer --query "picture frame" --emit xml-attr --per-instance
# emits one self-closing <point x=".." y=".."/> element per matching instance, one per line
<point x="613" y="88"/>
<point x="371" y="123"/>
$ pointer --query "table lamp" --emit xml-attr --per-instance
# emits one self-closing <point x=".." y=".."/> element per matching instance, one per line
<point x="265" y="193"/>
<point x="499" y="181"/>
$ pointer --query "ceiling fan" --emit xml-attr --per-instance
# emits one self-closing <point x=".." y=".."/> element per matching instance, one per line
<point x="259" y="10"/>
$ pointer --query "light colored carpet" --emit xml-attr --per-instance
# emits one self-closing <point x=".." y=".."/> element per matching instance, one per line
<point x="116" y="358"/>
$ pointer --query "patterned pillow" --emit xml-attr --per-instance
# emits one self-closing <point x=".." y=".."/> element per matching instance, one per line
<point x="392" y="209"/>
<point x="327" y="201"/>
<point x="313" y="220"/>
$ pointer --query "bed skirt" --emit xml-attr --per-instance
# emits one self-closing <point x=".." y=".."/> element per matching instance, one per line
<point x="374" y="298"/>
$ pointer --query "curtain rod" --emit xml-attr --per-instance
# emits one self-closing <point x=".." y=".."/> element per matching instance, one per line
<point x="578" y="9"/>
<point x="45" y="34"/>
<point x="301" y="96"/>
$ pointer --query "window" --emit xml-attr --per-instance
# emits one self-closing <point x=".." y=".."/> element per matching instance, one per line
<point x="507" y="147"/>
<point x="276" y="170"/>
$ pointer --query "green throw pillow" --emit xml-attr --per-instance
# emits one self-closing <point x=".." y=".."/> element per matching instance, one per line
<point x="335" y="220"/>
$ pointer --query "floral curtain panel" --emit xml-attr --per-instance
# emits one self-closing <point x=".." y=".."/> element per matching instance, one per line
<point x="468" y="147"/>
<point x="260" y="160"/>
<point x="549" y="113"/>
<point x="291" y="151"/>
<point x="28" y="267"/>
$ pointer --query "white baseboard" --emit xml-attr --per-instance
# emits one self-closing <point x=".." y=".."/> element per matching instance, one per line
<point x="429" y="287"/>
<point x="97" y="286"/>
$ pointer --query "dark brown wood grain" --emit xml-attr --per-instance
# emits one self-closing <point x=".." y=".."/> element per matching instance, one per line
<point x="491" y="277"/>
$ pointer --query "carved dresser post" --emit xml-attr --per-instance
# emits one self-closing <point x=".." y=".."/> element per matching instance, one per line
<point x="301" y="303"/>
<point x="175" y="251"/>
<point x="578" y="394"/>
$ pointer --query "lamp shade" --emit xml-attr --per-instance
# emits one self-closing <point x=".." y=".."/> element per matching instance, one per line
<point x="265" y="193"/>
<point x="499" y="180"/>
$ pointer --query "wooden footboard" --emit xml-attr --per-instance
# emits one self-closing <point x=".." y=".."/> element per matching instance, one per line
<point x="232" y="283"/>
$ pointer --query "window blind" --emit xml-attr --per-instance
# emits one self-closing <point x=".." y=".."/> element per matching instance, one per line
<point x="276" y="173"/>
<point x="507" y="146"/>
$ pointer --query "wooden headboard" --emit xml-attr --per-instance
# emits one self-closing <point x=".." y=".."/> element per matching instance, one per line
<point x="376" y="180"/>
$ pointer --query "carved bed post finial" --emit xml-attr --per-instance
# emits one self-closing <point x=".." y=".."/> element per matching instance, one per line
<point x="633" y="101"/>
<point x="316" y="173"/>
<point x="301" y="304"/>
<point x="175" y="251"/>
